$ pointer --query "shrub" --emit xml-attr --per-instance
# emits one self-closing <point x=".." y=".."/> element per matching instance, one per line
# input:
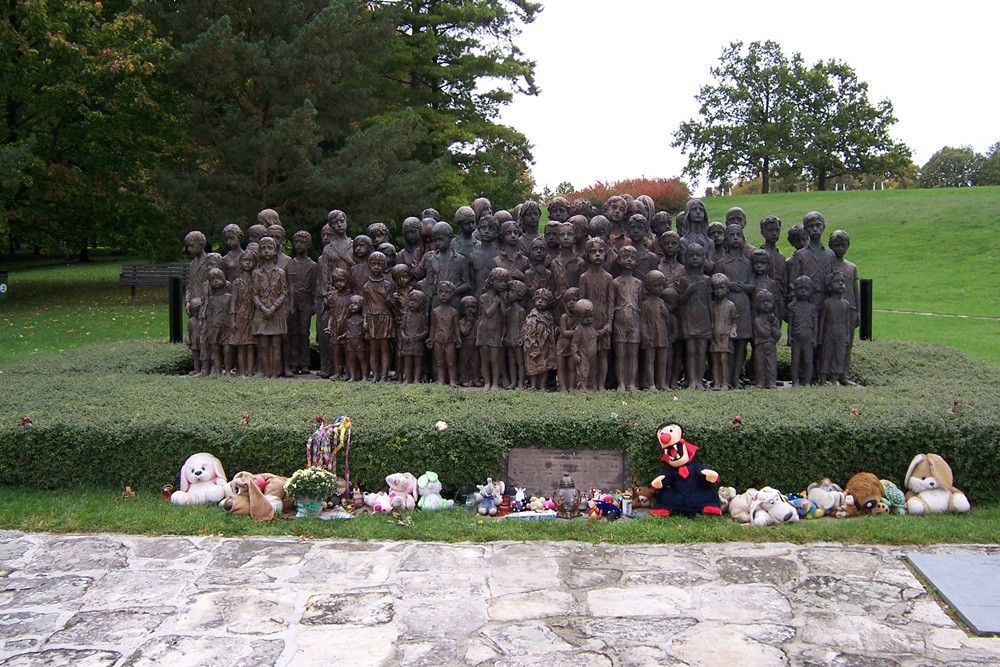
<point x="103" y="415"/>
<point x="669" y="194"/>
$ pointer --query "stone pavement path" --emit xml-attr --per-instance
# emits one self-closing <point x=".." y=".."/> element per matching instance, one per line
<point x="103" y="600"/>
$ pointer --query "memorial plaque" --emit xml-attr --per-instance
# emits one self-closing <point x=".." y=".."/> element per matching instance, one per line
<point x="539" y="470"/>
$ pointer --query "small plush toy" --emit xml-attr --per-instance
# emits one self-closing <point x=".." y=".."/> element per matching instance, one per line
<point x="378" y="502"/>
<point x="683" y="485"/>
<point x="536" y="503"/>
<point x="929" y="487"/>
<point x="489" y="497"/>
<point x="260" y="497"/>
<point x="402" y="490"/>
<point x="726" y="495"/>
<point x="548" y="504"/>
<point x="864" y="495"/>
<point x="202" y="480"/>
<point x="429" y="488"/>
<point x="764" y="507"/>
<point x="893" y="498"/>
<point x="805" y="508"/>
<point x="828" y="498"/>
<point x="519" y="503"/>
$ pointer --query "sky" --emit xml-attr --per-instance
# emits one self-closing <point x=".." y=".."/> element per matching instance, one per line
<point x="618" y="77"/>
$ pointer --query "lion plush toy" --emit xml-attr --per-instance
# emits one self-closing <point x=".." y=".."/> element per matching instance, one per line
<point x="864" y="495"/>
<point x="929" y="487"/>
<point x="260" y="497"/>
<point x="202" y="480"/>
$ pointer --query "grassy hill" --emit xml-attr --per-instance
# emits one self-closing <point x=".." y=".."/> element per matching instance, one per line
<point x="934" y="266"/>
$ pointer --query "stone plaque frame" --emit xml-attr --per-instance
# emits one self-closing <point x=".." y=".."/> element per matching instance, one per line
<point x="539" y="470"/>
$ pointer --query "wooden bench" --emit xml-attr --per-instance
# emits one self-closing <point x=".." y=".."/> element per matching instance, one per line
<point x="134" y="275"/>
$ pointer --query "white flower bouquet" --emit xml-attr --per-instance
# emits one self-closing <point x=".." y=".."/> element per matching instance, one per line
<point x="311" y="483"/>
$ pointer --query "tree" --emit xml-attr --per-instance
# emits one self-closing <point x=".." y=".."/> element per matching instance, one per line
<point x="745" y="124"/>
<point x="951" y="168"/>
<point x="989" y="170"/>
<point x="838" y="131"/>
<point x="771" y="116"/>
<point x="456" y="63"/>
<point x="87" y="116"/>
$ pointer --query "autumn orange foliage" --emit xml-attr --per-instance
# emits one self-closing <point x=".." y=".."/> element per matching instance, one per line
<point x="669" y="194"/>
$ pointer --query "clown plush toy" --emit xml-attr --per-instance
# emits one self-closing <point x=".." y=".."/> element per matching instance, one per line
<point x="683" y="486"/>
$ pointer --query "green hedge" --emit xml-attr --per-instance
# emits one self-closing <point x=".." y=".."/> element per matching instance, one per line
<point x="124" y="415"/>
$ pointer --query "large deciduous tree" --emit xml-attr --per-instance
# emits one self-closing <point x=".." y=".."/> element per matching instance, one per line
<point x="744" y="129"/>
<point x="989" y="170"/>
<point x="86" y="116"/>
<point x="837" y="131"/>
<point x="767" y="115"/>
<point x="951" y="168"/>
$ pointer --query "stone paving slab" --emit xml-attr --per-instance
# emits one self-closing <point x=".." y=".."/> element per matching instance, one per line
<point x="129" y="601"/>
<point x="970" y="584"/>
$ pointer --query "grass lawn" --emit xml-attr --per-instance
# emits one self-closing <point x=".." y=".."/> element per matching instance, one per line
<point x="106" y="511"/>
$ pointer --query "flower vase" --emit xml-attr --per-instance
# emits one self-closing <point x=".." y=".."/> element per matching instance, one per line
<point x="308" y="508"/>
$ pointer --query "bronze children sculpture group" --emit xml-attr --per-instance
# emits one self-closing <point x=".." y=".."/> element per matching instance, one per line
<point x="595" y="301"/>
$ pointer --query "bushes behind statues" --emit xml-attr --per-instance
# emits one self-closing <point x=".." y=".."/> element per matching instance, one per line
<point x="111" y="416"/>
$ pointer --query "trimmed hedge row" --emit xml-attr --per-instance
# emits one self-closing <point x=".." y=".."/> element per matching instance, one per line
<point x="124" y="415"/>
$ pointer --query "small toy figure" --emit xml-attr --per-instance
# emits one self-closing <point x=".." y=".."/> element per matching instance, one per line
<point x="597" y="286"/>
<point x="834" y="334"/>
<point x="803" y="322"/>
<point x="445" y="337"/>
<point x="683" y="486"/>
<point x="270" y="296"/>
<point x="766" y="334"/>
<point x="565" y="364"/>
<point x="380" y="330"/>
<point x="353" y="339"/>
<point x="215" y="319"/>
<point x="468" y="355"/>
<point x="241" y="315"/>
<point x="724" y="318"/>
<point x="864" y="495"/>
<point x="489" y="497"/>
<point x="514" y="333"/>
<point x="202" y="480"/>
<point x="414" y="334"/>
<point x="694" y="299"/>
<point x="491" y="327"/>
<point x="301" y="277"/>
<point x="929" y="487"/>
<point x="540" y="340"/>
<point x="625" y="329"/>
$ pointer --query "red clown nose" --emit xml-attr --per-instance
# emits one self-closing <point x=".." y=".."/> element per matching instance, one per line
<point x="664" y="438"/>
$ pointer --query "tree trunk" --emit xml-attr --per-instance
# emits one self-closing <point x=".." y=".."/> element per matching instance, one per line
<point x="765" y="177"/>
<point x="821" y="181"/>
<point x="84" y="253"/>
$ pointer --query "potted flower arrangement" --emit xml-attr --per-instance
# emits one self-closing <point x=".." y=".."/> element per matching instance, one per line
<point x="310" y="487"/>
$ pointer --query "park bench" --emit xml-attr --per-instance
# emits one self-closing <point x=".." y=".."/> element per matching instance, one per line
<point x="134" y="275"/>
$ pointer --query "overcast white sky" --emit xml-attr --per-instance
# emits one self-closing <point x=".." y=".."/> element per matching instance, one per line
<point x="619" y="76"/>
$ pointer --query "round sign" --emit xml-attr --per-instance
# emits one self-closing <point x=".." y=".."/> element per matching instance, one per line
<point x="3" y="287"/>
